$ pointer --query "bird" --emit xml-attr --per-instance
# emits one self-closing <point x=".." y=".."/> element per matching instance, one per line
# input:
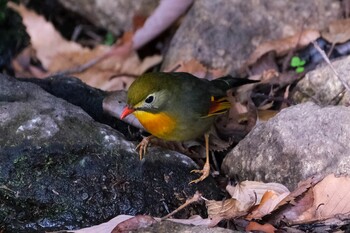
<point x="178" y="106"/>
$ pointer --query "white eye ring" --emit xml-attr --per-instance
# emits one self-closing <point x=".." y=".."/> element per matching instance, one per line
<point x="149" y="99"/>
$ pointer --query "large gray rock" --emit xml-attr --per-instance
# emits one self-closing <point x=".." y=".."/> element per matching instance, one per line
<point x="59" y="169"/>
<point x="297" y="143"/>
<point x="114" y="15"/>
<point x="223" y="33"/>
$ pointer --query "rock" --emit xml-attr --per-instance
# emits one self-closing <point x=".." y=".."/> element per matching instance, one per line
<point x="323" y="86"/>
<point x="222" y="33"/>
<point x="88" y="98"/>
<point x="115" y="15"/>
<point x="60" y="169"/>
<point x="297" y="143"/>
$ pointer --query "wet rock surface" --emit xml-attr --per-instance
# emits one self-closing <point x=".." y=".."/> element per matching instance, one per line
<point x="60" y="169"/>
<point x="297" y="143"/>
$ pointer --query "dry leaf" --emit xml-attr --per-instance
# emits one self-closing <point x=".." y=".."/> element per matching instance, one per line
<point x="338" y="31"/>
<point x="104" y="227"/>
<point x="265" y="115"/>
<point x="268" y="203"/>
<point x="57" y="54"/>
<point x="297" y="202"/>
<point x="43" y="35"/>
<point x="228" y="209"/>
<point x="247" y="189"/>
<point x="194" y="67"/>
<point x="244" y="196"/>
<point x="302" y="188"/>
<point x="254" y="226"/>
<point x="282" y="46"/>
<point x="137" y="222"/>
<point x="331" y="198"/>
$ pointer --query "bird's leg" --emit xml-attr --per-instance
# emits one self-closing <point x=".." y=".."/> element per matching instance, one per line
<point x="206" y="168"/>
<point x="142" y="146"/>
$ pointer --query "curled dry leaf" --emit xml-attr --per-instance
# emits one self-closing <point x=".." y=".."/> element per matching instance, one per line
<point x="338" y="31"/>
<point x="247" y="189"/>
<point x="228" y="209"/>
<point x="268" y="203"/>
<point x="244" y="196"/>
<point x="282" y="46"/>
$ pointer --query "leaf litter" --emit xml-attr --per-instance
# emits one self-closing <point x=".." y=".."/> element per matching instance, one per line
<point x="57" y="54"/>
<point x="263" y="205"/>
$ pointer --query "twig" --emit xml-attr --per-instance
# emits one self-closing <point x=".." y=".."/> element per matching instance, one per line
<point x="87" y="65"/>
<point x="196" y="197"/>
<point x="324" y="56"/>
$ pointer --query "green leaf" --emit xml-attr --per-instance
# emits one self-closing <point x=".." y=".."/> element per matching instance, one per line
<point x="300" y="69"/>
<point x="109" y="39"/>
<point x="296" y="62"/>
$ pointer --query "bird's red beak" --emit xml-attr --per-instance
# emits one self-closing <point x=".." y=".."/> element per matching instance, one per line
<point x="126" y="111"/>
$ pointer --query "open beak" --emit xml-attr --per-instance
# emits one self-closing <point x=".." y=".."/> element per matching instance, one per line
<point x="126" y="111"/>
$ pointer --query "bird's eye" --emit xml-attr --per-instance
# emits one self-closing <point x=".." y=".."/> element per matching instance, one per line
<point x="149" y="99"/>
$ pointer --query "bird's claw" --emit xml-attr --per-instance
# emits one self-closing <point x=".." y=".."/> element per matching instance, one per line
<point x="142" y="146"/>
<point x="205" y="173"/>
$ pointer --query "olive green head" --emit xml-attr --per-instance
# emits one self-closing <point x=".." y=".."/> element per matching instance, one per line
<point x="149" y="91"/>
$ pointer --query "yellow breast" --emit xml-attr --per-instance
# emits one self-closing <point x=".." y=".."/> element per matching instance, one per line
<point x="160" y="125"/>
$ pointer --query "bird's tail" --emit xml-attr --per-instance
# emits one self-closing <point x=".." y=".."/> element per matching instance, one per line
<point x="228" y="82"/>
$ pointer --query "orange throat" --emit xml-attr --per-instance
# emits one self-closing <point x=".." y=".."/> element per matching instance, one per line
<point x="160" y="125"/>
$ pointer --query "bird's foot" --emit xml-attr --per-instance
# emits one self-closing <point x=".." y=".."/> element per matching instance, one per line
<point x="142" y="146"/>
<point x="205" y="173"/>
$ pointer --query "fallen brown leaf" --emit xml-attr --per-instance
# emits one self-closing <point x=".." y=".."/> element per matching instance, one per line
<point x="302" y="188"/>
<point x="57" y="54"/>
<point x="137" y="222"/>
<point x="196" y="68"/>
<point x="268" y="203"/>
<point x="266" y="228"/>
<point x="331" y="198"/>
<point x="282" y="46"/>
<point x="338" y="31"/>
<point x="296" y="204"/>
<point x="265" y="115"/>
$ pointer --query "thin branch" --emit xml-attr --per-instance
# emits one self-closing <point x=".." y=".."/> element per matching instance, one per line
<point x="196" y="197"/>
<point x="331" y="66"/>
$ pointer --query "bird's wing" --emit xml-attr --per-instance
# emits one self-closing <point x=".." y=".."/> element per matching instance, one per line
<point x="218" y="106"/>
